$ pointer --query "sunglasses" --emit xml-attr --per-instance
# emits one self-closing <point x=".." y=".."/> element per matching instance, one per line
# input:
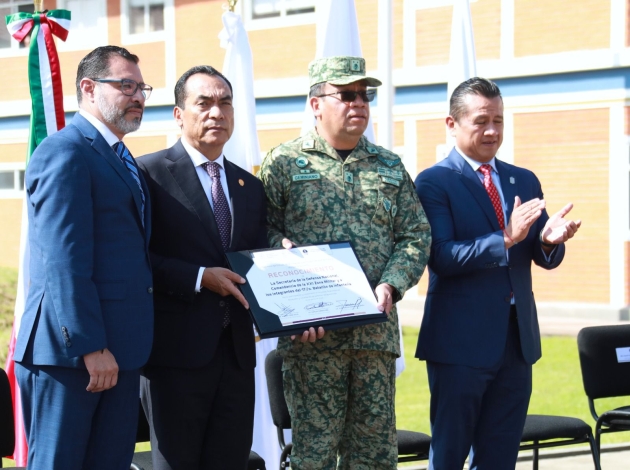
<point x="348" y="96"/>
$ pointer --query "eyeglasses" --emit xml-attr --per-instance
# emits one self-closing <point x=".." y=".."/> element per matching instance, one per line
<point x="128" y="87"/>
<point x="348" y="96"/>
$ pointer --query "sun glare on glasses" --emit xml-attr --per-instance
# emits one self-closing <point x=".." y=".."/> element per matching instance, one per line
<point x="348" y="96"/>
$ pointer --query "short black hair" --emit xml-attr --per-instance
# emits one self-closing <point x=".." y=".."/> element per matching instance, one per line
<point x="96" y="64"/>
<point x="317" y="89"/>
<point x="472" y="86"/>
<point x="180" y="86"/>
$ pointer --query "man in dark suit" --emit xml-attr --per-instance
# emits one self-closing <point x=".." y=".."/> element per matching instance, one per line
<point x="88" y="319"/>
<point x="198" y="388"/>
<point x="479" y="333"/>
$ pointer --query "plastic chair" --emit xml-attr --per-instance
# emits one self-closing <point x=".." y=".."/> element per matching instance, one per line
<point x="563" y="430"/>
<point x="7" y="431"/>
<point x="604" y="376"/>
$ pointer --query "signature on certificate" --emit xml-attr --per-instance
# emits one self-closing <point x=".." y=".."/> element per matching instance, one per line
<point x="343" y="305"/>
<point x="285" y="310"/>
<point x="316" y="305"/>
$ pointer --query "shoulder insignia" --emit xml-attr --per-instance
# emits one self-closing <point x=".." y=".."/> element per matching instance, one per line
<point x="388" y="162"/>
<point x="308" y="144"/>
<point x="301" y="161"/>
<point x="311" y="176"/>
<point x="387" y="204"/>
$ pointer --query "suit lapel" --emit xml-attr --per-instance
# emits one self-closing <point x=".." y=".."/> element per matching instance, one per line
<point x="238" y="198"/>
<point x="508" y="186"/>
<point x="99" y="144"/>
<point x="473" y="183"/>
<point x="181" y="167"/>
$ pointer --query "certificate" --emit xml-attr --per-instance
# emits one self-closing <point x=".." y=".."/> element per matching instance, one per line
<point x="315" y="285"/>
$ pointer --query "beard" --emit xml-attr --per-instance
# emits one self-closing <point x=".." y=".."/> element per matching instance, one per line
<point x="116" y="117"/>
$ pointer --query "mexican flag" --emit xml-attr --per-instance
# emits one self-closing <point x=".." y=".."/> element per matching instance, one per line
<point x="47" y="117"/>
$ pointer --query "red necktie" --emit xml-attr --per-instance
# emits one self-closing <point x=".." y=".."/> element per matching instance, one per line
<point x="493" y="193"/>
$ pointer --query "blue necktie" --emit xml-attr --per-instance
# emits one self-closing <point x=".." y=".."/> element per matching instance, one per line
<point x="125" y="157"/>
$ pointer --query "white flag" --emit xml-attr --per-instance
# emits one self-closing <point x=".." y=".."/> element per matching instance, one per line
<point x="242" y="148"/>
<point x="462" y="63"/>
<point x="337" y="34"/>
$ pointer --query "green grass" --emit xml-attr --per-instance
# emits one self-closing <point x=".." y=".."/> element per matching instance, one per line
<point x="8" y="288"/>
<point x="557" y="387"/>
<point x="557" y="379"/>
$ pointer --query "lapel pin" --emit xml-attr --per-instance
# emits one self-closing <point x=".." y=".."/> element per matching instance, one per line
<point x="512" y="180"/>
<point x="241" y="182"/>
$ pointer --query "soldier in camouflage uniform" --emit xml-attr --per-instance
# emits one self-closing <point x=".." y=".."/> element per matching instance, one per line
<point x="333" y="185"/>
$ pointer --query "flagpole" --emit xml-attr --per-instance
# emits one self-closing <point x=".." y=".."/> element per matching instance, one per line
<point x="385" y="65"/>
<point x="38" y="5"/>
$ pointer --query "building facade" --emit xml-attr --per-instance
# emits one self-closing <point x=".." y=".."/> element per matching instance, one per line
<point x="563" y="67"/>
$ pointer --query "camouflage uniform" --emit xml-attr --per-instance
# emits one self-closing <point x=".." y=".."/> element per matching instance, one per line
<point x="340" y="389"/>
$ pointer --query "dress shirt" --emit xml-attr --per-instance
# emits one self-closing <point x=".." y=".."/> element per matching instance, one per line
<point x="206" y="182"/>
<point x="107" y="134"/>
<point x="497" y="183"/>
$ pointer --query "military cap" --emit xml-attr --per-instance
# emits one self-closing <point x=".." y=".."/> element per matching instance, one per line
<point x="339" y="70"/>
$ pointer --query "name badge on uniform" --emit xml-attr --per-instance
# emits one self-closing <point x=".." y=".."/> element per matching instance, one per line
<point x="387" y="180"/>
<point x="388" y="172"/>
<point x="348" y="177"/>
<point x="312" y="176"/>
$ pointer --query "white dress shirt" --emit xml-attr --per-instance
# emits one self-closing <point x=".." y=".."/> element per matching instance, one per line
<point x="206" y="182"/>
<point x="107" y="134"/>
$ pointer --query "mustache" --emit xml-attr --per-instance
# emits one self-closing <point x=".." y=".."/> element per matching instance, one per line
<point x="135" y="105"/>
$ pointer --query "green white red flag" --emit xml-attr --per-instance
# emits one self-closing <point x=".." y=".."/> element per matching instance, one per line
<point x="47" y="117"/>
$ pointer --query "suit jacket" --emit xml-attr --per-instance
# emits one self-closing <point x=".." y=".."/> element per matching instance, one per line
<point x="471" y="279"/>
<point x="90" y="273"/>
<point x="188" y="325"/>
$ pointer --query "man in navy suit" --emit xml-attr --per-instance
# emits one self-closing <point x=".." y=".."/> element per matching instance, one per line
<point x="198" y="387"/>
<point x="479" y="333"/>
<point x="88" y="321"/>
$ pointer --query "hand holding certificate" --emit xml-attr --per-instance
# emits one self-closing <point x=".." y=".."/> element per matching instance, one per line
<point x="308" y="286"/>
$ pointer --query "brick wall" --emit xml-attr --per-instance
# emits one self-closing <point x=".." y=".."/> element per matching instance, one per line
<point x="569" y="152"/>
<point x="545" y="27"/>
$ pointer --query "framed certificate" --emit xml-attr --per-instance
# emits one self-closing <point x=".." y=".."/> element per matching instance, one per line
<point x="314" y="285"/>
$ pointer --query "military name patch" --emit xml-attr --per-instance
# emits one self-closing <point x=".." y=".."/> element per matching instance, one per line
<point x="396" y="174"/>
<point x="312" y="176"/>
<point x="390" y="181"/>
<point x="348" y="177"/>
<point x="389" y="163"/>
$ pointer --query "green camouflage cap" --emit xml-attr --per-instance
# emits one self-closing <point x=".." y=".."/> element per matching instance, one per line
<point x="339" y="70"/>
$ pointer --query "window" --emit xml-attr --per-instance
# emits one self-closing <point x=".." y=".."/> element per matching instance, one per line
<point x="145" y="16"/>
<point x="279" y="8"/>
<point x="9" y="8"/>
<point x="11" y="180"/>
<point x="88" y="26"/>
<point x="262" y="14"/>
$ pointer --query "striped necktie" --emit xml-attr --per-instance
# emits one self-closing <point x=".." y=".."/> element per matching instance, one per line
<point x="125" y="157"/>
